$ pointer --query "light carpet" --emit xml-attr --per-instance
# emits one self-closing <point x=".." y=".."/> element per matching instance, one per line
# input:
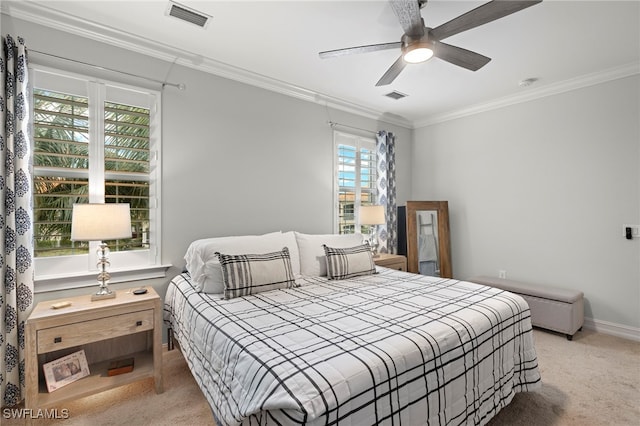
<point x="592" y="380"/>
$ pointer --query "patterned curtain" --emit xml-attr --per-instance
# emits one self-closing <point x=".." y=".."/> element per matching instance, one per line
<point x="386" y="154"/>
<point x="16" y="230"/>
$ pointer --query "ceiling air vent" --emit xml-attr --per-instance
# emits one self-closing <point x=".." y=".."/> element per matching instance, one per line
<point x="396" y="95"/>
<point x="187" y="14"/>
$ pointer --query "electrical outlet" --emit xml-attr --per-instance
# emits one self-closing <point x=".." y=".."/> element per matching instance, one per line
<point x="502" y="274"/>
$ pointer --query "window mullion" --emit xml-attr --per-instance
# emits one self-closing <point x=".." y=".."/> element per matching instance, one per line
<point x="97" y="95"/>
<point x="153" y="235"/>
<point x="358" y="186"/>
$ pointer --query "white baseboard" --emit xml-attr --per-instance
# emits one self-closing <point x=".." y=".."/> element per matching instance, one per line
<point x="619" y="330"/>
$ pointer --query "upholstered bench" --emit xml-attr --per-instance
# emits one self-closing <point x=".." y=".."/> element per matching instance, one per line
<point x="552" y="308"/>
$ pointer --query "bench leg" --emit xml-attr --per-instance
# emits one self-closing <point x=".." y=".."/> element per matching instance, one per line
<point x="569" y="337"/>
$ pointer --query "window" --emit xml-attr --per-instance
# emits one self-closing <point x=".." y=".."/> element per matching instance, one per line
<point x="94" y="142"/>
<point x="355" y="171"/>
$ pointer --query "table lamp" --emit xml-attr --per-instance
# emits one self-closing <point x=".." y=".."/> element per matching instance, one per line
<point x="101" y="222"/>
<point x="373" y="216"/>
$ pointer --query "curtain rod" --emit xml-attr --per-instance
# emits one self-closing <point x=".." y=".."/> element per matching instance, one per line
<point x="334" y="124"/>
<point x="179" y="86"/>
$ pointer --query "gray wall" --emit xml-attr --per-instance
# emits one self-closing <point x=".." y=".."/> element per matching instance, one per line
<point x="236" y="159"/>
<point x="247" y="160"/>
<point x="541" y="190"/>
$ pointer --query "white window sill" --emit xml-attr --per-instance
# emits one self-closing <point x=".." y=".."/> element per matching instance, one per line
<point x="48" y="283"/>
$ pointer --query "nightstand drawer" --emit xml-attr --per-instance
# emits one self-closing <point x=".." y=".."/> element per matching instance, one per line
<point x="80" y="333"/>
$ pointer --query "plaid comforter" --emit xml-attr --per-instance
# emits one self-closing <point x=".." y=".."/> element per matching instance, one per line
<point x="391" y="348"/>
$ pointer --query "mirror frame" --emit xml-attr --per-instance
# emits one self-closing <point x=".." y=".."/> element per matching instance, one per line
<point x="444" y="247"/>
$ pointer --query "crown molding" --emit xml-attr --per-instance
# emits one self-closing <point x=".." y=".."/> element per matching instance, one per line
<point x="231" y="72"/>
<point x="541" y="92"/>
<point x="42" y="15"/>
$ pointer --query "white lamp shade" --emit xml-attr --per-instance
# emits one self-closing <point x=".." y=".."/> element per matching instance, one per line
<point x="372" y="215"/>
<point x="100" y="222"/>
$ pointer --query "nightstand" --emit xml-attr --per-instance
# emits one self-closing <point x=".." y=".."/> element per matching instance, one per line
<point x="392" y="261"/>
<point x="127" y="326"/>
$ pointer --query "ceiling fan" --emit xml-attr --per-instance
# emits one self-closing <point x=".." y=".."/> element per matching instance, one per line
<point x="419" y="43"/>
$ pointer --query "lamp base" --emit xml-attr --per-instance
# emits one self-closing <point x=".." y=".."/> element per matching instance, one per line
<point x="104" y="276"/>
<point x="103" y="296"/>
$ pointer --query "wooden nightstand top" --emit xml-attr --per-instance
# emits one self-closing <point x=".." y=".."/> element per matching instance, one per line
<point x="82" y="304"/>
<point x="393" y="261"/>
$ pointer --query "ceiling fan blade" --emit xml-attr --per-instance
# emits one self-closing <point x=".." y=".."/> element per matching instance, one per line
<point x="359" y="49"/>
<point x="392" y="72"/>
<point x="461" y="57"/>
<point x="488" y="12"/>
<point x="408" y="13"/>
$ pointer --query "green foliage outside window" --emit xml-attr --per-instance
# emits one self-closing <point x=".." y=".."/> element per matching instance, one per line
<point x="61" y="168"/>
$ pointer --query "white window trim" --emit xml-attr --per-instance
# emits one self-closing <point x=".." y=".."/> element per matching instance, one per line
<point x="126" y="266"/>
<point x="67" y="281"/>
<point x="359" y="141"/>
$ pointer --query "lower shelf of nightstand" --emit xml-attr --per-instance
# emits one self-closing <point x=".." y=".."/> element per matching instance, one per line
<point x="97" y="381"/>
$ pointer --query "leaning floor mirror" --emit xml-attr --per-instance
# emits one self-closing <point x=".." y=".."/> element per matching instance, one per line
<point x="428" y="248"/>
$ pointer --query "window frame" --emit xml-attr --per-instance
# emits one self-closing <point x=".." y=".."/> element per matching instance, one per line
<point x="79" y="270"/>
<point x="359" y="142"/>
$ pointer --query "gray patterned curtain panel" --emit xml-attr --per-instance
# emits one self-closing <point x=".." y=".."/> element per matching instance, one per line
<point x="16" y="222"/>
<point x="386" y="155"/>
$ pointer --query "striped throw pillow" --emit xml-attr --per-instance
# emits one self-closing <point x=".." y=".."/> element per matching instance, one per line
<point x="349" y="262"/>
<point x="245" y="274"/>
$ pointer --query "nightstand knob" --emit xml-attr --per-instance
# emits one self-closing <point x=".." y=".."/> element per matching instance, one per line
<point x="57" y="339"/>
<point x="138" y="323"/>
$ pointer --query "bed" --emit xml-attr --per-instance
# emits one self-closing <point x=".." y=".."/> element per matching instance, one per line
<point x="388" y="347"/>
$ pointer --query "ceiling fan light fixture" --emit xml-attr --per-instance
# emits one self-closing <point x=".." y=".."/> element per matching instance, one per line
<point x="418" y="52"/>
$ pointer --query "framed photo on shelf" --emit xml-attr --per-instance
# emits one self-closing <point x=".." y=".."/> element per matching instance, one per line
<point x="65" y="370"/>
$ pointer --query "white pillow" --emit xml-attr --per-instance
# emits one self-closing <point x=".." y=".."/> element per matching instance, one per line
<point x="204" y="267"/>
<point x="312" y="258"/>
<point x="290" y="242"/>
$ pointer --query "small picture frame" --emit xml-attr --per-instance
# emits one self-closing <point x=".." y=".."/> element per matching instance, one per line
<point x="65" y="370"/>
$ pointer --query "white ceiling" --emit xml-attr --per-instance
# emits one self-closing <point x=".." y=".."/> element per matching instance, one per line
<point x="276" y="43"/>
